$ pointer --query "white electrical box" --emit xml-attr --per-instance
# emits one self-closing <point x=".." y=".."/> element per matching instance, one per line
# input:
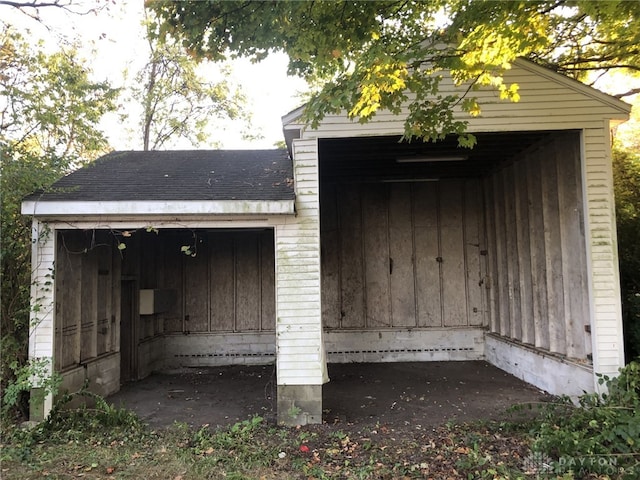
<point x="156" y="300"/>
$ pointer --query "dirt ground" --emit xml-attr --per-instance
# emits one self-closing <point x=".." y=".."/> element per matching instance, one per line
<point x="397" y="394"/>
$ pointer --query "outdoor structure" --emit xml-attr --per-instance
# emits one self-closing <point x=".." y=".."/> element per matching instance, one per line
<point x="350" y="247"/>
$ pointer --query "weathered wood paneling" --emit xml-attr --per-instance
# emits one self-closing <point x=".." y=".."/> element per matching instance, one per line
<point x="70" y="297"/>
<point x="538" y="206"/>
<point x="401" y="257"/>
<point x="513" y="267"/>
<point x="330" y="258"/>
<point x="105" y="301"/>
<point x="87" y="283"/>
<point x="452" y="252"/>
<point x="502" y="265"/>
<point x="414" y="261"/>
<point x="537" y="251"/>
<point x="492" y="258"/>
<point x="170" y="276"/>
<point x="524" y="252"/>
<point x="268" y="281"/>
<point x="196" y="287"/>
<point x="227" y="287"/>
<point x="376" y="251"/>
<point x="555" y="307"/>
<point x="427" y="250"/>
<point x="351" y="258"/>
<point x="473" y="258"/>
<point x="248" y="284"/>
<point x="574" y="271"/>
<point x="223" y="298"/>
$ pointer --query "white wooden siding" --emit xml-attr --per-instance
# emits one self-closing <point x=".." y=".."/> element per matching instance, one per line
<point x="300" y="351"/>
<point x="41" y="330"/>
<point x="547" y="102"/>
<point x="42" y="291"/>
<point x="602" y="249"/>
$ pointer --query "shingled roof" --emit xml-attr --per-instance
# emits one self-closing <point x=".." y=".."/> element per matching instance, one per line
<point x="179" y="175"/>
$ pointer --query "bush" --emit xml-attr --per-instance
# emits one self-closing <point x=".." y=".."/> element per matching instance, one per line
<point x="626" y="174"/>
<point x="602" y="433"/>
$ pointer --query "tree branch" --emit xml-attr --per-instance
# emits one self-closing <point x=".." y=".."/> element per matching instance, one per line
<point x="633" y="91"/>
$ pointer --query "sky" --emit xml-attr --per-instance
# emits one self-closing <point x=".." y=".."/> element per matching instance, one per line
<point x="113" y="42"/>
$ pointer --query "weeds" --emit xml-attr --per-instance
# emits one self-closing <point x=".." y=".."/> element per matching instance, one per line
<point x="566" y="443"/>
<point x="602" y="436"/>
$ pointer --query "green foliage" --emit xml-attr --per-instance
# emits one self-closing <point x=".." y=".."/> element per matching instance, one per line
<point x="36" y="371"/>
<point x="48" y="125"/>
<point x="601" y="427"/>
<point x="177" y="102"/>
<point x="233" y="450"/>
<point x="626" y="175"/>
<point x="367" y="56"/>
<point x="101" y="423"/>
<point x="102" y="420"/>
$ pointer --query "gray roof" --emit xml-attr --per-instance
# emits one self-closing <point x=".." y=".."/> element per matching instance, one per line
<point x="179" y="175"/>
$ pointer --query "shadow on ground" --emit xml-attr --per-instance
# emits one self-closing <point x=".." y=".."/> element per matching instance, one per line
<point x="421" y="394"/>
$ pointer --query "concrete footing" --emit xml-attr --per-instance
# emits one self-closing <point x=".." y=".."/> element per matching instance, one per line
<point x="299" y="404"/>
<point x="548" y="372"/>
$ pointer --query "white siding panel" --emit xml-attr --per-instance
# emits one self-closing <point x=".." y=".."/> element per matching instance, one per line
<point x="300" y="356"/>
<point x="547" y="102"/>
<point x="608" y="349"/>
<point x="42" y="291"/>
<point x="41" y="335"/>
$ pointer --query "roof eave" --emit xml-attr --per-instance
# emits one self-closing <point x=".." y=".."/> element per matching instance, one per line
<point x="62" y="209"/>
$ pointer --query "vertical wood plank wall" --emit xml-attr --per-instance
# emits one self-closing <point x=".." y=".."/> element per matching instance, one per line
<point x="403" y="255"/>
<point x="227" y="286"/>
<point x="535" y="237"/>
<point x="87" y="296"/>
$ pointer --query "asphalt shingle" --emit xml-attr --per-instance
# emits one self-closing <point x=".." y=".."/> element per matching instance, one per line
<point x="179" y="175"/>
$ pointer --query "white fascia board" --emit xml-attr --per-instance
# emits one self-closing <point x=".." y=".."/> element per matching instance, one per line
<point x="39" y="208"/>
<point x="293" y="115"/>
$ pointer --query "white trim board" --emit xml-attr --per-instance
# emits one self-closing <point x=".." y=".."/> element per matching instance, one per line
<point x="158" y="207"/>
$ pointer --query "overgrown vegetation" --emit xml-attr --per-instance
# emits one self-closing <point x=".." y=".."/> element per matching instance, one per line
<point x="602" y="435"/>
<point x="48" y="125"/>
<point x="598" y="439"/>
<point x="626" y="170"/>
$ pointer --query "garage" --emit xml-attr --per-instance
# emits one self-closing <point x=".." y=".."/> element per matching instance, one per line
<point x="349" y="246"/>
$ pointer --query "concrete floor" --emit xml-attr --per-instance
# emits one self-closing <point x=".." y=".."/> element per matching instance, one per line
<point x="423" y="394"/>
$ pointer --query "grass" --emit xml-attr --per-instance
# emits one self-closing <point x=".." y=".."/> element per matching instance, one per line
<point x="108" y="443"/>
<point x="119" y="446"/>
